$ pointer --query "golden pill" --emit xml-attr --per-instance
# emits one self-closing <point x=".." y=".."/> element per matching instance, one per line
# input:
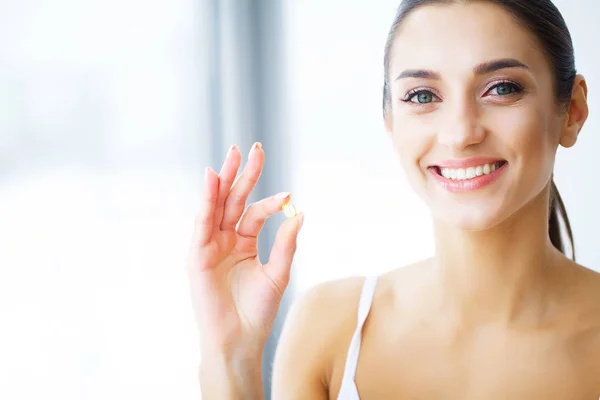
<point x="289" y="210"/>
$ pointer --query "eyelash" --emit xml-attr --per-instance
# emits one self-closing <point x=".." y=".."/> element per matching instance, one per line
<point x="517" y="89"/>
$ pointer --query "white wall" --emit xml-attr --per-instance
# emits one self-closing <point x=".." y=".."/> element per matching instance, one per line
<point x="361" y="215"/>
<point x="100" y="165"/>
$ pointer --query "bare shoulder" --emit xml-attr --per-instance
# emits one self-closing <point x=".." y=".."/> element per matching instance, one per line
<point x="583" y="314"/>
<point x="584" y="290"/>
<point x="323" y="312"/>
<point x="312" y="349"/>
<point x="319" y="324"/>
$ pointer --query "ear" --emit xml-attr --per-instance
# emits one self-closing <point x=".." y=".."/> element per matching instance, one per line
<point x="387" y="114"/>
<point x="577" y="113"/>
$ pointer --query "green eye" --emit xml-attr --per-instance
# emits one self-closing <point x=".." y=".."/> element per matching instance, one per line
<point x="422" y="97"/>
<point x="425" y="97"/>
<point x="504" y="89"/>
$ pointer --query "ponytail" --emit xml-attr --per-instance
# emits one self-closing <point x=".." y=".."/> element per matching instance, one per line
<point x="557" y="213"/>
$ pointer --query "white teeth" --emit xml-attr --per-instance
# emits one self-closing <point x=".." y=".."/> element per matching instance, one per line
<point x="468" y="173"/>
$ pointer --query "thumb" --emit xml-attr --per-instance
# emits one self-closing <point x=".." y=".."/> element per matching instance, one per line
<point x="282" y="253"/>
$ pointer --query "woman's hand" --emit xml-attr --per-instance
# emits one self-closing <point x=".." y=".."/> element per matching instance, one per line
<point x="235" y="297"/>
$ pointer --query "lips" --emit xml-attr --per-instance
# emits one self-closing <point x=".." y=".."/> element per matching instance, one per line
<point x="470" y="172"/>
<point x="468" y="175"/>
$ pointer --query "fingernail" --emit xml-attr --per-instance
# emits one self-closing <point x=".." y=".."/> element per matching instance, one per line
<point x="230" y="151"/>
<point x="283" y="195"/>
<point x="257" y="145"/>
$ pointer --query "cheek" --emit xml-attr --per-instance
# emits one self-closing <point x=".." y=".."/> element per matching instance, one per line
<point x="413" y="138"/>
<point x="526" y="133"/>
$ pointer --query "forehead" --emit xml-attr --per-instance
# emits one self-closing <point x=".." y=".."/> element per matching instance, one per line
<point x="456" y="37"/>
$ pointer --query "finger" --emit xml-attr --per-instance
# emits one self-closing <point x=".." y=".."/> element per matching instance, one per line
<point x="236" y="199"/>
<point x="229" y="170"/>
<point x="205" y="218"/>
<point x="256" y="214"/>
<point x="284" y="248"/>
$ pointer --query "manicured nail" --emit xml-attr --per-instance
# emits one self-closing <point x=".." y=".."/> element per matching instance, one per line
<point x="283" y="195"/>
<point x="231" y="150"/>
<point x="254" y="147"/>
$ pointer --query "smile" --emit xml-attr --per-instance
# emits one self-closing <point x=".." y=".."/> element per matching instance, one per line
<point x="470" y="178"/>
<point x="471" y="172"/>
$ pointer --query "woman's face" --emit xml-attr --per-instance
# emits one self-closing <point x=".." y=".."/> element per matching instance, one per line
<point x="473" y="113"/>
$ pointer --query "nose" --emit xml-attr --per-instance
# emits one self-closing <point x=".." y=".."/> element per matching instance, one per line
<point x="462" y="127"/>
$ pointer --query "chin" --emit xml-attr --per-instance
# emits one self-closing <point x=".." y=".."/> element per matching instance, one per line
<point x="471" y="217"/>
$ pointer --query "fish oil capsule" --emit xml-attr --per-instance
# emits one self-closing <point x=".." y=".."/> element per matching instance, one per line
<point x="289" y="210"/>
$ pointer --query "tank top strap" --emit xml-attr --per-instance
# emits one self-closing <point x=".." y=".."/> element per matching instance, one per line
<point x="364" y="306"/>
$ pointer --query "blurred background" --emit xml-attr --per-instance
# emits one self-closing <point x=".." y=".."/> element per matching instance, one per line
<point x="109" y="112"/>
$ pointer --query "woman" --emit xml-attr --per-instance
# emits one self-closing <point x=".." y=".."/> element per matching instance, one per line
<point x="478" y="96"/>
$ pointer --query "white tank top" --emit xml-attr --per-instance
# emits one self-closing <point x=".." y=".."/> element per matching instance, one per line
<point x="348" y="390"/>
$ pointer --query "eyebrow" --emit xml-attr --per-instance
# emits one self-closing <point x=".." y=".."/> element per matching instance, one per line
<point x="481" y="69"/>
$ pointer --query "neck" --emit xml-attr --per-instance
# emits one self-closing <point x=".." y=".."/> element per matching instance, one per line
<point x="500" y="274"/>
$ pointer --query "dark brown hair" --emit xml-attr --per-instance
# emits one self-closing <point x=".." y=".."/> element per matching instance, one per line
<point x="545" y="22"/>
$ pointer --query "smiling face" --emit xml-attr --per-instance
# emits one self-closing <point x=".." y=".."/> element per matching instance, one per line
<point x="473" y="112"/>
